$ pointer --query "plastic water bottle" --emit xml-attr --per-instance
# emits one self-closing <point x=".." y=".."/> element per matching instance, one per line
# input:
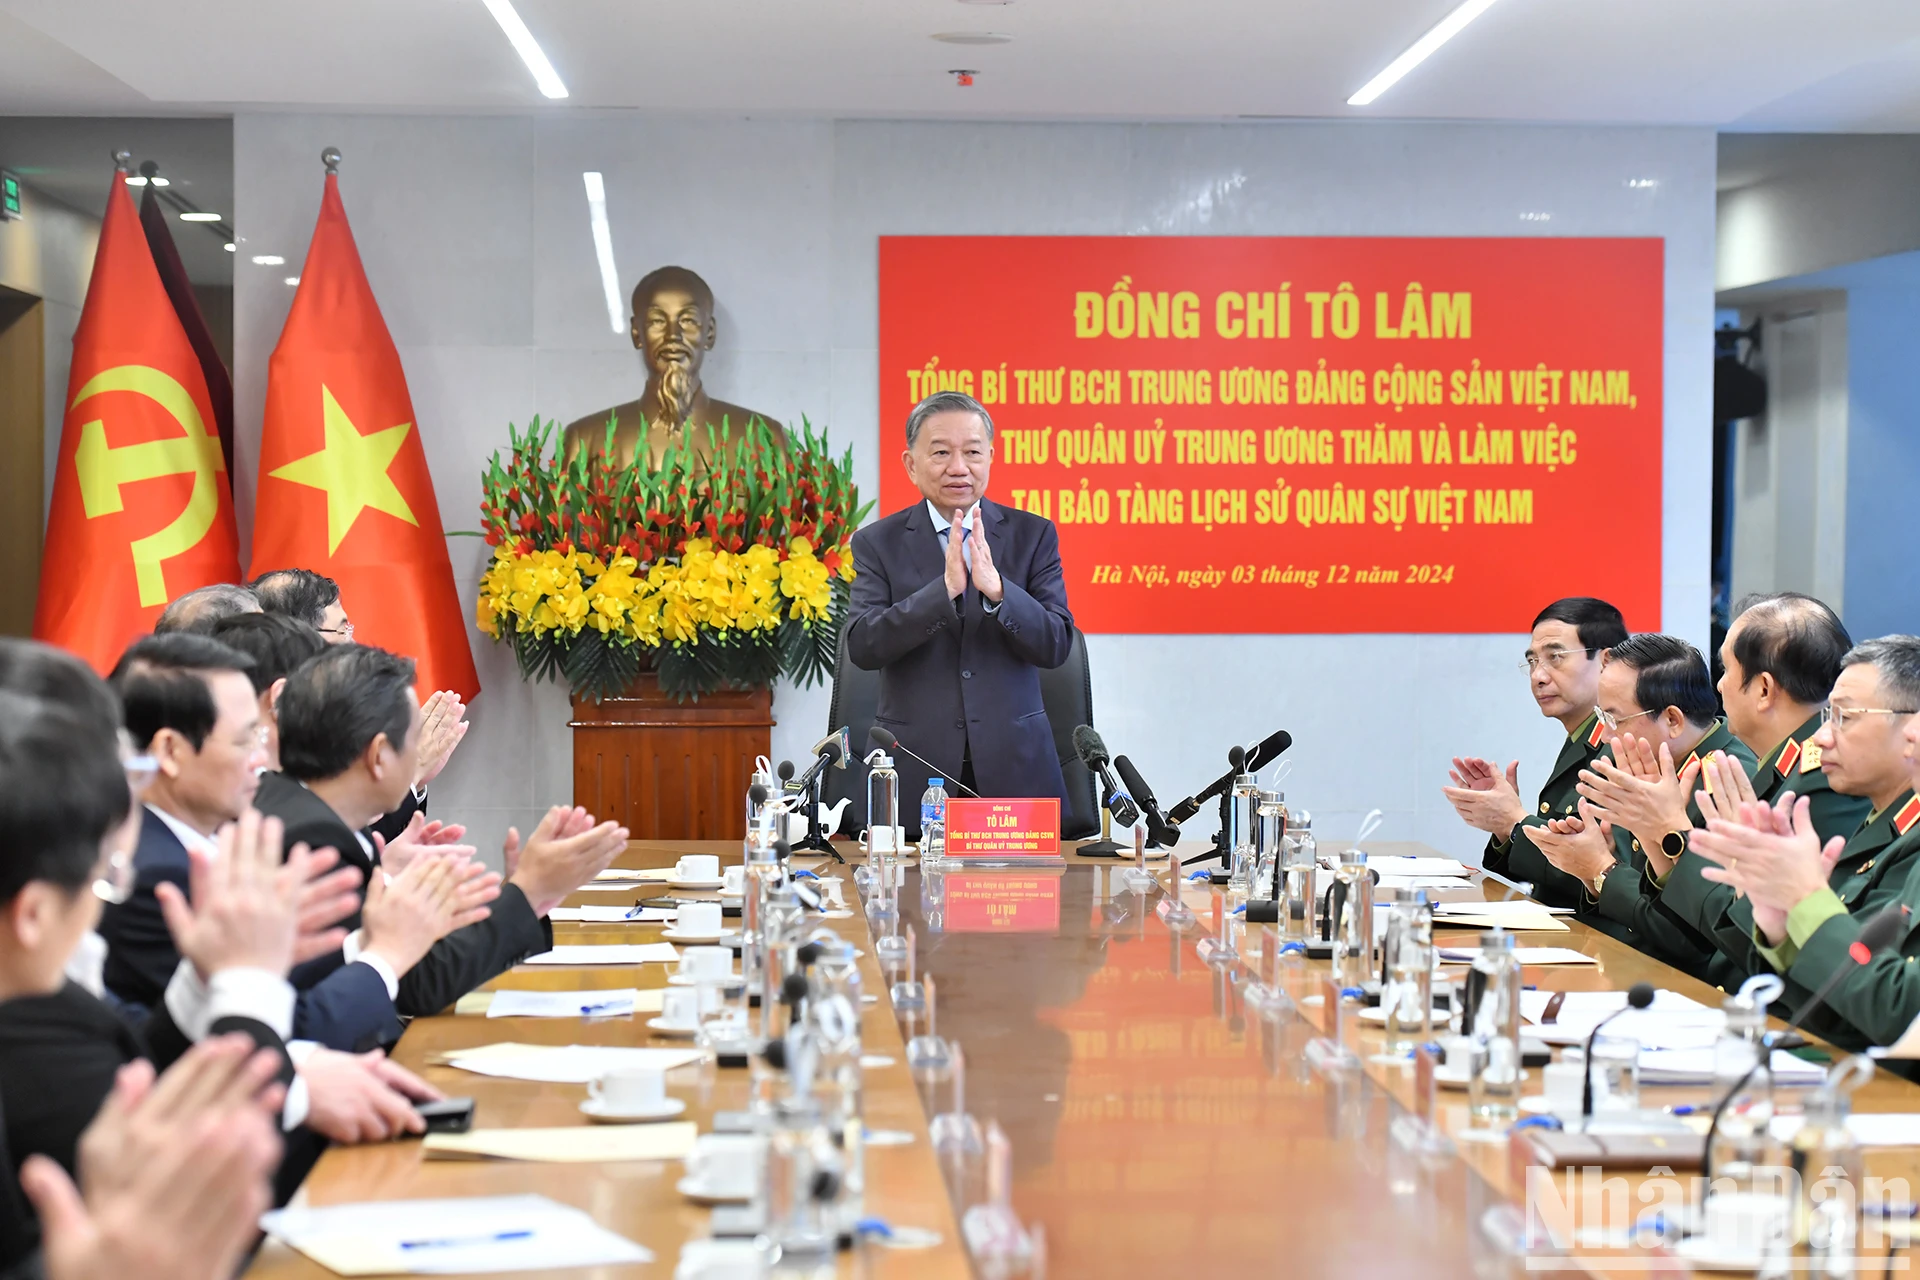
<point x="933" y="822"/>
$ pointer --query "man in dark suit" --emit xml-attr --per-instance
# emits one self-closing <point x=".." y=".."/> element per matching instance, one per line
<point x="958" y="603"/>
<point x="349" y="739"/>
<point x="189" y="701"/>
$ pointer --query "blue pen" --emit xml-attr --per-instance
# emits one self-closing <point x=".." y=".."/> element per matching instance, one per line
<point x="1687" y="1109"/>
<point x="458" y="1241"/>
<point x="602" y="1007"/>
<point x="638" y="907"/>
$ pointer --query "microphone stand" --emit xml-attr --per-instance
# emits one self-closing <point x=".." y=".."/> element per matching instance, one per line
<point x="1104" y="847"/>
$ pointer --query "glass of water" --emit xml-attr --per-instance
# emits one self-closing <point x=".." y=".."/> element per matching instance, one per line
<point x="1616" y="1073"/>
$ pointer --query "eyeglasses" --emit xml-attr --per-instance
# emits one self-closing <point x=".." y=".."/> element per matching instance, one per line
<point x="1611" y="722"/>
<point x="1555" y="658"/>
<point x="114" y="885"/>
<point x="1839" y="717"/>
<point x="344" y="630"/>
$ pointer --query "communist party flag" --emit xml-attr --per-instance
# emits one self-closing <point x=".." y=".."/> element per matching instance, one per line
<point x="344" y="488"/>
<point x="142" y="511"/>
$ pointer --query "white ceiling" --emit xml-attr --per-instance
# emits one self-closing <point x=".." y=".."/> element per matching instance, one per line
<point x="1742" y="64"/>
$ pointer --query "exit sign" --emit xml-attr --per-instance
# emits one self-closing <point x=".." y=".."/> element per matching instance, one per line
<point x="9" y="196"/>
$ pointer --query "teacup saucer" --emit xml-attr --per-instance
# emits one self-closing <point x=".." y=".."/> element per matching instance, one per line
<point x="679" y="881"/>
<point x="673" y="934"/>
<point x="701" y="1194"/>
<point x="665" y="1028"/>
<point x="594" y="1109"/>
<point x="688" y="980"/>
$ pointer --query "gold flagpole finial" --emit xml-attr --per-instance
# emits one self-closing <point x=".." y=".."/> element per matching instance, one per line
<point x="331" y="158"/>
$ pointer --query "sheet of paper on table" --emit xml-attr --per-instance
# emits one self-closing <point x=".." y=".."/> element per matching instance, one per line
<point x="1422" y="882"/>
<point x="564" y="1064"/>
<point x="1671" y="1022"/>
<point x="1526" y="955"/>
<point x="612" y="915"/>
<point x="563" y="1004"/>
<point x="1695" y="1066"/>
<point x="1459" y="915"/>
<point x="612" y="953"/>
<point x="450" y="1237"/>
<point x="1399" y="865"/>
<point x="574" y="1144"/>
<point x="1871" y="1129"/>
<point x="638" y="873"/>
<point x="478" y="1004"/>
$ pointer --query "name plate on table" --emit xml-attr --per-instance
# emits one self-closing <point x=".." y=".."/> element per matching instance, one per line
<point x="1020" y="829"/>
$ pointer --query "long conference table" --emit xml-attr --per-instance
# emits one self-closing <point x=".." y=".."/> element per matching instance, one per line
<point x="1159" y="1126"/>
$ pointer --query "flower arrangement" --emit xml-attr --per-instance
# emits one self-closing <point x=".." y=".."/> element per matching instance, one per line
<point x="721" y="574"/>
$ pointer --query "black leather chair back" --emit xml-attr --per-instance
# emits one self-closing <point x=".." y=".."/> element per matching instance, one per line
<point x="1066" y="692"/>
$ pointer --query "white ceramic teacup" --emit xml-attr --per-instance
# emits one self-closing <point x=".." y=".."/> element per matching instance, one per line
<point x="1566" y="1084"/>
<point x="706" y="963"/>
<point x="698" y="918"/>
<point x="883" y="840"/>
<point x="1742" y="1222"/>
<point x="680" y="1007"/>
<point x="727" y="1164"/>
<point x="834" y="892"/>
<point x="733" y="881"/>
<point x="628" y="1090"/>
<point x="698" y="866"/>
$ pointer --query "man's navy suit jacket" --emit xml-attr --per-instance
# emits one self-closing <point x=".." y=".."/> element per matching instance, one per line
<point x="342" y="1006"/>
<point x="955" y="678"/>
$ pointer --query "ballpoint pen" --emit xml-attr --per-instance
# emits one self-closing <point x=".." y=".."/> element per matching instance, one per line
<point x="604" y="1006"/>
<point x="457" y="1241"/>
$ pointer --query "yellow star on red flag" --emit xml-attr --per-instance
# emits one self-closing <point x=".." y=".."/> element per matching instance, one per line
<point x="352" y="470"/>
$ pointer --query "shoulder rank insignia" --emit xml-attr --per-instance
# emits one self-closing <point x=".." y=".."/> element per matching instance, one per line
<point x="1788" y="758"/>
<point x="1593" y="739"/>
<point x="1908" y="815"/>
<point x="1809" y="758"/>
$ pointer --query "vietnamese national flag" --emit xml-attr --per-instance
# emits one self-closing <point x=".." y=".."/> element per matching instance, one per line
<point x="344" y="489"/>
<point x="142" y="511"/>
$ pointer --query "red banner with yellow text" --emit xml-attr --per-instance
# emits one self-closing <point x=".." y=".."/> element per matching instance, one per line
<point x="1286" y="434"/>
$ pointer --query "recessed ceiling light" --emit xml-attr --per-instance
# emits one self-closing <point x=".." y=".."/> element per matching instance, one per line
<point x="159" y="181"/>
<point x="136" y="180"/>
<point x="527" y="47"/>
<point x="1641" y="184"/>
<point x="232" y="248"/>
<point x="267" y="259"/>
<point x="972" y="37"/>
<point x="1420" y="50"/>
<point x="293" y="279"/>
<point x="1535" y="216"/>
<point x="199" y="217"/>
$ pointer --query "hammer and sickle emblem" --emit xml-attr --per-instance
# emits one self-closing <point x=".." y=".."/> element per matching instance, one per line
<point x="104" y="468"/>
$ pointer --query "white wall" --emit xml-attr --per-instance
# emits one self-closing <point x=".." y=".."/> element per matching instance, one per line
<point x="474" y="231"/>
<point x="49" y="253"/>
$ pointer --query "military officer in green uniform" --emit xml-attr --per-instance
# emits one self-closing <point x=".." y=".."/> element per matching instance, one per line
<point x="1563" y="660"/>
<point x="1780" y="659"/>
<point x="1656" y="693"/>
<point x="1808" y="901"/>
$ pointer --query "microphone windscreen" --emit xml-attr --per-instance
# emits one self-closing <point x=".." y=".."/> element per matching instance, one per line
<point x="1639" y="995"/>
<point x="1088" y="746"/>
<point x="757" y="794"/>
<point x="1237" y="757"/>
<point x="1271" y="748"/>
<point x="882" y="736"/>
<point x="786" y="771"/>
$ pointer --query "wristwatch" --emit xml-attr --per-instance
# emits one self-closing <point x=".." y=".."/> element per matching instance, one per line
<point x="1597" y="884"/>
<point x="1673" y="844"/>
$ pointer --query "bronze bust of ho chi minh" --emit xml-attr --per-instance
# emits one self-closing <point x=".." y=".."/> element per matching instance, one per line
<point x="673" y="329"/>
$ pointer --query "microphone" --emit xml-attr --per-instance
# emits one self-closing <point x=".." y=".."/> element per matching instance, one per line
<point x="1161" y="834"/>
<point x="1639" y="996"/>
<point x="1093" y="753"/>
<point x="1265" y="753"/>
<point x="883" y="737"/>
<point x="830" y="750"/>
<point x="1876" y="935"/>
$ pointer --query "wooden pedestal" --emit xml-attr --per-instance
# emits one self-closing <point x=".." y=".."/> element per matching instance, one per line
<point x="670" y="770"/>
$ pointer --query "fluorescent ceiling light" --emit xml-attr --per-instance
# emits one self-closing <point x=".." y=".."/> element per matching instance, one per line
<point x="199" y="217"/>
<point x="136" y="180"/>
<point x="267" y="259"/>
<point x="293" y="279"/>
<point x="603" y="249"/>
<point x="527" y="47"/>
<point x="159" y="181"/>
<point x="1420" y="50"/>
<point x="232" y="248"/>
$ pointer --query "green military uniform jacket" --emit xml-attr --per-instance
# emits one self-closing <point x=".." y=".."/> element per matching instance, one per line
<point x="1628" y="906"/>
<point x="1873" y="1003"/>
<point x="1712" y="909"/>
<point x="1518" y="858"/>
